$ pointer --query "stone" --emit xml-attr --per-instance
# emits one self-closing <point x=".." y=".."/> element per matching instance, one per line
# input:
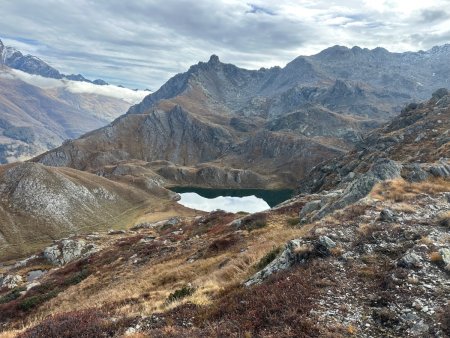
<point x="387" y="215"/>
<point x="11" y="281"/>
<point x="309" y="207"/>
<point x="116" y="232"/>
<point x="441" y="169"/>
<point x="68" y="250"/>
<point x="445" y="254"/>
<point x="284" y="261"/>
<point x="327" y="242"/>
<point x="410" y="260"/>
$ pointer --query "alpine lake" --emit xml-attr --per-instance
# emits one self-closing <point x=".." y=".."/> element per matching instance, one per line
<point x="231" y="200"/>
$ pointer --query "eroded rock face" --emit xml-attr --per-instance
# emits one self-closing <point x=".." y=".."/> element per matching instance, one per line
<point x="68" y="250"/>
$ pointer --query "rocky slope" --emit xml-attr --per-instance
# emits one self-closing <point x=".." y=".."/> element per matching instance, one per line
<point x="363" y="251"/>
<point x="414" y="146"/>
<point x="40" y="107"/>
<point x="39" y="204"/>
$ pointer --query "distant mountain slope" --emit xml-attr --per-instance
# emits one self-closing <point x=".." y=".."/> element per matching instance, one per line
<point x="277" y="122"/>
<point x="41" y="107"/>
<point x="39" y="204"/>
<point x="34" y="119"/>
<point x="13" y="58"/>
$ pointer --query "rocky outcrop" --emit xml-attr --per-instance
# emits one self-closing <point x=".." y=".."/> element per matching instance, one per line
<point x="297" y="251"/>
<point x="68" y="250"/>
<point x="10" y="281"/>
<point x="404" y="156"/>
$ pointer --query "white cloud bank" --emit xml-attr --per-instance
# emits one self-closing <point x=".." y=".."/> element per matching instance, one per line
<point x="128" y="95"/>
<point x="226" y="203"/>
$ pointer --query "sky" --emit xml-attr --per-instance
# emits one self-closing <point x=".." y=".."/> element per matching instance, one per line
<point x="142" y="43"/>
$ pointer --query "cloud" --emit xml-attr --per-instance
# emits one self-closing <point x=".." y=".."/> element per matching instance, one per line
<point x="226" y="203"/>
<point x="143" y="43"/>
<point x="125" y="94"/>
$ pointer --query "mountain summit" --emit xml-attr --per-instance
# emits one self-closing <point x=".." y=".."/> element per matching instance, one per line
<point x="30" y="64"/>
<point x="275" y="124"/>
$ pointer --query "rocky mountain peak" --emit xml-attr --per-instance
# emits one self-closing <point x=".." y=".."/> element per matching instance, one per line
<point x="214" y="59"/>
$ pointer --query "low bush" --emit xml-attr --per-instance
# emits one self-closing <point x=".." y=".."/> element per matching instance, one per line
<point x="293" y="221"/>
<point x="14" y="294"/>
<point x="79" y="324"/>
<point x="31" y="302"/>
<point x="254" y="221"/>
<point x="184" y="292"/>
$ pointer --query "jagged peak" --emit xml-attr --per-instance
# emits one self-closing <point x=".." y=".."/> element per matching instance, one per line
<point x="214" y="59"/>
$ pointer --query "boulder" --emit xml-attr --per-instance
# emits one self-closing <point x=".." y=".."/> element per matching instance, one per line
<point x="410" y="260"/>
<point x="297" y="251"/>
<point x="441" y="169"/>
<point x="68" y="250"/>
<point x="387" y="215"/>
<point x="445" y="254"/>
<point x="309" y="207"/>
<point x="11" y="281"/>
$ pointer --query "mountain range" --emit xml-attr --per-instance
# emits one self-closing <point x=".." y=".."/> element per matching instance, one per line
<point x="31" y="64"/>
<point x="41" y="108"/>
<point x="361" y="250"/>
<point x="268" y="127"/>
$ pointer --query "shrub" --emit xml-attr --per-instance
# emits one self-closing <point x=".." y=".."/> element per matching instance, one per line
<point x="268" y="258"/>
<point x="254" y="221"/>
<point x="444" y="219"/>
<point x="14" y="294"/>
<point x="89" y="323"/>
<point x="184" y="292"/>
<point x="78" y="277"/>
<point x="435" y="257"/>
<point x="293" y="221"/>
<point x="34" y="301"/>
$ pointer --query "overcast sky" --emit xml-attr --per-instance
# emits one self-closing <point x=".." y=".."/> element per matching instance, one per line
<point x="143" y="43"/>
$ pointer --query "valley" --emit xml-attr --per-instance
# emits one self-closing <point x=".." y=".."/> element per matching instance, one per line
<point x="121" y="233"/>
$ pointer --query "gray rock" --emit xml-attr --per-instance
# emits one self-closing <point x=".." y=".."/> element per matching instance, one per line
<point x="445" y="254"/>
<point x="11" y="281"/>
<point x="68" y="250"/>
<point x="387" y="215"/>
<point x="293" y="252"/>
<point x="382" y="169"/>
<point x="440" y="93"/>
<point x="441" y="169"/>
<point x="327" y="242"/>
<point x="414" y="173"/>
<point x="410" y="260"/>
<point x="116" y="232"/>
<point x="309" y="207"/>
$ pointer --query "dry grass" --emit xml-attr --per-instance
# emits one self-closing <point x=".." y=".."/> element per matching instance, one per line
<point x="404" y="207"/>
<point x="435" y="257"/>
<point x="127" y="289"/>
<point x="399" y="190"/>
<point x="444" y="219"/>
